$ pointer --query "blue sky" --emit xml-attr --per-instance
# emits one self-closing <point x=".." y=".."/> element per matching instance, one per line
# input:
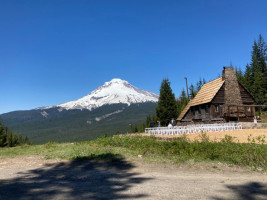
<point x="54" y="51"/>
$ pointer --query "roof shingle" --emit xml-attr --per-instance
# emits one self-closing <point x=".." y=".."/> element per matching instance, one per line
<point x="205" y="95"/>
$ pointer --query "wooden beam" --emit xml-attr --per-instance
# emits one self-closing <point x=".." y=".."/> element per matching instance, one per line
<point x="247" y="105"/>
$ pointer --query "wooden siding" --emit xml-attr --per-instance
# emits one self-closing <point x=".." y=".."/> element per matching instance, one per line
<point x="246" y="96"/>
<point x="201" y="112"/>
<point x="188" y="115"/>
<point x="216" y="111"/>
<point x="205" y="95"/>
<point x="219" y="97"/>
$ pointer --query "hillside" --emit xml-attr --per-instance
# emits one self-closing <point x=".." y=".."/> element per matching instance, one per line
<point x="76" y="125"/>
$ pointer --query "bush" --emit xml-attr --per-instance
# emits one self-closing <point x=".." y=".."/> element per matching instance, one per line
<point x="251" y="154"/>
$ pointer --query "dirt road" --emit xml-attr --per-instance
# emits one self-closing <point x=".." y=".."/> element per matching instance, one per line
<point x="35" y="178"/>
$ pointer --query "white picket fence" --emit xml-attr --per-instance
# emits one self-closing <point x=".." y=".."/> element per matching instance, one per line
<point x="189" y="129"/>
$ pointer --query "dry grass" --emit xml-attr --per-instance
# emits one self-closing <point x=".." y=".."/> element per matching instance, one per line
<point x="239" y="135"/>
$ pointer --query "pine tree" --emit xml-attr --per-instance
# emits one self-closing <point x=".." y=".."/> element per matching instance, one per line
<point x="262" y="54"/>
<point x="199" y="84"/>
<point x="239" y="74"/>
<point x="258" y="88"/>
<point x="8" y="139"/>
<point x="3" y="135"/>
<point x="182" y="102"/>
<point x="135" y="128"/>
<point x="264" y="78"/>
<point x="167" y="106"/>
<point x="192" y="91"/>
<point x="254" y="79"/>
<point x="258" y="67"/>
<point x="248" y="78"/>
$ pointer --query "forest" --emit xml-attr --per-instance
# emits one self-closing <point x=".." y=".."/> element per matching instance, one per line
<point x="9" y="139"/>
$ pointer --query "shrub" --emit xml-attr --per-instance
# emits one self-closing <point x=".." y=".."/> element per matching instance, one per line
<point x="226" y="151"/>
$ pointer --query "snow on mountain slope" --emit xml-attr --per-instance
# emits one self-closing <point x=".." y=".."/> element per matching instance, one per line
<point x="115" y="91"/>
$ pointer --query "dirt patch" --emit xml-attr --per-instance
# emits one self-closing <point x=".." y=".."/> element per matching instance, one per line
<point x="33" y="177"/>
<point x="9" y="167"/>
<point x="239" y="135"/>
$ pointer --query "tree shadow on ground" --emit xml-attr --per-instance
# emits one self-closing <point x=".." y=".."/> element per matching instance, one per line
<point x="84" y="178"/>
<point x="249" y="191"/>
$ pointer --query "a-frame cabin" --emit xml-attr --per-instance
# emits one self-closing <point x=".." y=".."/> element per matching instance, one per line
<point x="223" y="99"/>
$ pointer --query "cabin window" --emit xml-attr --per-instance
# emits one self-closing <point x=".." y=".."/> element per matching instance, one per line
<point x="216" y="108"/>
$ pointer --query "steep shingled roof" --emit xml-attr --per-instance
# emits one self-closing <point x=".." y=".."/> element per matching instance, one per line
<point x="205" y="95"/>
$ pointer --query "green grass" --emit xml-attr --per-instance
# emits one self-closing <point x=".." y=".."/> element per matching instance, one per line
<point x="264" y="119"/>
<point x="152" y="149"/>
<point x="181" y="150"/>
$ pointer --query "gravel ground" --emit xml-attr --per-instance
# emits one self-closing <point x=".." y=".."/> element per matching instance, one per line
<point x="33" y="177"/>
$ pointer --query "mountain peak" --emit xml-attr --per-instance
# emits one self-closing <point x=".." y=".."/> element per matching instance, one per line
<point x="112" y="92"/>
<point x="116" y="81"/>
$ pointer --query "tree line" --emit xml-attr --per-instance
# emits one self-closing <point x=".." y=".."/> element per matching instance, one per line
<point x="9" y="139"/>
<point x="254" y="79"/>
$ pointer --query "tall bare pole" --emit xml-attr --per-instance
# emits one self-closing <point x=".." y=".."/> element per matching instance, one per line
<point x="186" y="88"/>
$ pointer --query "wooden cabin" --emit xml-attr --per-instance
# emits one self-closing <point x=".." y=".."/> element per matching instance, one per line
<point x="223" y="99"/>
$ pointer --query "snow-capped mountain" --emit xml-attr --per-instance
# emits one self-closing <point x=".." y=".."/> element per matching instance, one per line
<point x="113" y="92"/>
<point x="109" y="109"/>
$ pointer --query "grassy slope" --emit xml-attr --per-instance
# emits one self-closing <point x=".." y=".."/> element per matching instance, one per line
<point x="179" y="150"/>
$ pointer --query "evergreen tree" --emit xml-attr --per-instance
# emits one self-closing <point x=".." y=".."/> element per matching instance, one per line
<point x="131" y="129"/>
<point x="182" y="102"/>
<point x="264" y="78"/>
<point x="262" y="53"/>
<point x="192" y="91"/>
<point x="135" y="129"/>
<point x="255" y="78"/>
<point x="8" y="139"/>
<point x="258" y="88"/>
<point x="248" y="78"/>
<point x="3" y="135"/>
<point x="167" y="106"/>
<point x="257" y="69"/>
<point x="199" y="84"/>
<point x="239" y="74"/>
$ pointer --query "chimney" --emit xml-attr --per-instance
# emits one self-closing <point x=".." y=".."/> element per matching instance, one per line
<point x="232" y="92"/>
